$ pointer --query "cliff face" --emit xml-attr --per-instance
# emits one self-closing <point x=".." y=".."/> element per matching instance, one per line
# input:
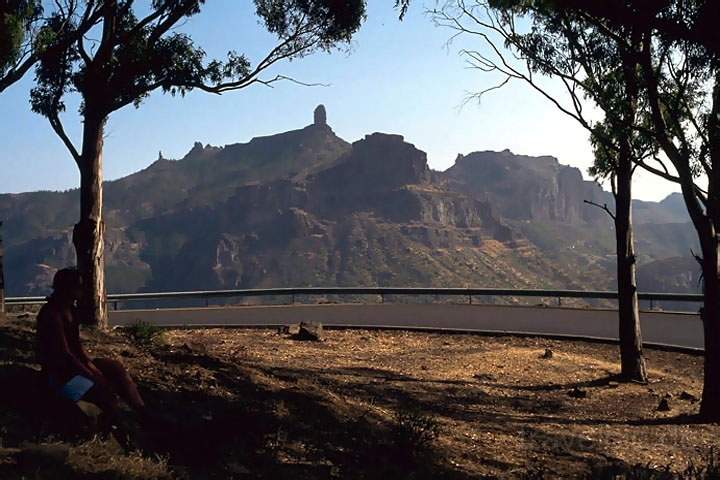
<point x="527" y="188"/>
<point x="374" y="218"/>
<point x="306" y="208"/>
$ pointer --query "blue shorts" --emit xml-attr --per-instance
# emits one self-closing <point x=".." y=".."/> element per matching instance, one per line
<point x="75" y="388"/>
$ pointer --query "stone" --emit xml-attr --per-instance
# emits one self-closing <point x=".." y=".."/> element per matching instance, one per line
<point x="688" y="397"/>
<point x="320" y="116"/>
<point x="664" y="405"/>
<point x="548" y="354"/>
<point x="293" y="329"/>
<point x="577" y="393"/>
<point x="309" y="332"/>
<point x="90" y="410"/>
<point x="194" y="347"/>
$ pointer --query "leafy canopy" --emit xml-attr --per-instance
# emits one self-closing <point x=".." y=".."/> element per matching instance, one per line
<point x="136" y="55"/>
<point x="16" y="19"/>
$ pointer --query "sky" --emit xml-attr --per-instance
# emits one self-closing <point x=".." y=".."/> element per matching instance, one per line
<point x="395" y="77"/>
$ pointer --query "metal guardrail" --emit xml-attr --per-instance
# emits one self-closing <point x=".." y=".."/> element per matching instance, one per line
<point x="381" y="291"/>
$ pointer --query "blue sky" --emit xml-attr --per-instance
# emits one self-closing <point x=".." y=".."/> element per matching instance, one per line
<point x="396" y="77"/>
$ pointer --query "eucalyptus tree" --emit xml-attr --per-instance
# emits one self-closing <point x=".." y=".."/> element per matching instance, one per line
<point x="529" y="41"/>
<point x="680" y="69"/>
<point x="25" y="35"/>
<point x="136" y="50"/>
<point x="678" y="73"/>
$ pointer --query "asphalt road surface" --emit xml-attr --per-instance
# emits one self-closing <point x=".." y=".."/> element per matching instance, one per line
<point x="674" y="329"/>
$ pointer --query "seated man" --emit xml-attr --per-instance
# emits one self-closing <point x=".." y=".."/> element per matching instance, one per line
<point x="66" y="366"/>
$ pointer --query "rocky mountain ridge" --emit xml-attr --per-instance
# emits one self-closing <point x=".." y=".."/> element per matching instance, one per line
<point x="306" y="208"/>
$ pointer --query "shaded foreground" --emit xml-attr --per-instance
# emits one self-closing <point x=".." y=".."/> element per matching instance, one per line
<point x="364" y="404"/>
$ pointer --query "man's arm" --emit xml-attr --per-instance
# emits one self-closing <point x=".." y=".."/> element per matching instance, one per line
<point x="75" y="345"/>
<point x="60" y="348"/>
<point x="77" y="348"/>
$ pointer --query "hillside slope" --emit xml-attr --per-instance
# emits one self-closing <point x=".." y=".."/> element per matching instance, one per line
<point x="306" y="208"/>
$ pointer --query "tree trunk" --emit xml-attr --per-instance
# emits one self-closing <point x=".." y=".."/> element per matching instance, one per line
<point x="2" y="276"/>
<point x="88" y="232"/>
<point x="710" y="406"/>
<point x="631" y="355"/>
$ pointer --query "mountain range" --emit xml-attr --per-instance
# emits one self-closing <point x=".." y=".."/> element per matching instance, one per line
<point x="307" y="208"/>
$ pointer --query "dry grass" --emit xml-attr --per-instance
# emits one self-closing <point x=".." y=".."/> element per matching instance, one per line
<point x="256" y="404"/>
<point x="500" y="405"/>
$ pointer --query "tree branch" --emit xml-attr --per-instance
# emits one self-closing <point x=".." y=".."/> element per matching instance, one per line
<point x="601" y="207"/>
<point x="90" y="18"/>
<point x="57" y="126"/>
<point x="276" y="54"/>
<point x="681" y="164"/>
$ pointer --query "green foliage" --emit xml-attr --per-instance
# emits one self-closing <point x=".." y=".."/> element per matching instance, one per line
<point x="586" y="56"/>
<point x="336" y="20"/>
<point x="16" y="18"/>
<point x="143" y="332"/>
<point x="137" y="55"/>
<point x="641" y="54"/>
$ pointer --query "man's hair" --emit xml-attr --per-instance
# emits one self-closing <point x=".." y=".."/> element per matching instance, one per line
<point x="66" y="279"/>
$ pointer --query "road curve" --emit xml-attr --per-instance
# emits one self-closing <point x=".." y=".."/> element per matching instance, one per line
<point x="672" y="329"/>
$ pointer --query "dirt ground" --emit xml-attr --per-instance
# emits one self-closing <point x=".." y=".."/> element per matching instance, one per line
<point x="373" y="404"/>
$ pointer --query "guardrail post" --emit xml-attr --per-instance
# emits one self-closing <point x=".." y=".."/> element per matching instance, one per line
<point x="382" y="297"/>
<point x="115" y="305"/>
<point x="651" y="304"/>
<point x="469" y="299"/>
<point x="559" y="301"/>
<point x="292" y="299"/>
<point x="207" y="302"/>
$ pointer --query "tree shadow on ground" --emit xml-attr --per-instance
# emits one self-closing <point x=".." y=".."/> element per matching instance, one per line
<point x="603" y="381"/>
<point x="471" y="404"/>
<point x="255" y="419"/>
<point x="285" y="432"/>
<point x="243" y="428"/>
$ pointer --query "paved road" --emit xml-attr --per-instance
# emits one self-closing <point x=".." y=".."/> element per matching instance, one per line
<point x="677" y="329"/>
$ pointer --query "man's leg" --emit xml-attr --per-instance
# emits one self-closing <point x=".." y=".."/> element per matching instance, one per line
<point x="115" y="373"/>
<point x="107" y="401"/>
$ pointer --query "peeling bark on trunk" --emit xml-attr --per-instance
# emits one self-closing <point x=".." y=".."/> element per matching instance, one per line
<point x="631" y="355"/>
<point x="632" y="362"/>
<point x="89" y="231"/>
